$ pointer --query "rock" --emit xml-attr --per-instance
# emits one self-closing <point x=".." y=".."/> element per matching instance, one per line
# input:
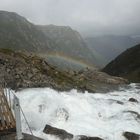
<point x="131" y="136"/>
<point x="119" y="102"/>
<point x="64" y="135"/>
<point x="133" y="100"/>
<point x="12" y="137"/>
<point x="60" y="133"/>
<point x="28" y="72"/>
<point x="82" y="137"/>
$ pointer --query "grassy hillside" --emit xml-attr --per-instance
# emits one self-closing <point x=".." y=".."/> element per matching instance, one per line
<point x="126" y="65"/>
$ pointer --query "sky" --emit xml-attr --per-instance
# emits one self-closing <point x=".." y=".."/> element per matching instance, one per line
<point x="90" y="17"/>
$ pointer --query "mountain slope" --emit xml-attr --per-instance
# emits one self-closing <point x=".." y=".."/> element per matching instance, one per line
<point x="126" y="65"/>
<point x="19" y="34"/>
<point x="60" y="45"/>
<point x="20" y="70"/>
<point x="68" y="43"/>
<point x="110" y="46"/>
<point x="100" y="58"/>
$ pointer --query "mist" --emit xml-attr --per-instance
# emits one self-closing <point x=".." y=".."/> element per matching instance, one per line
<point x="90" y="17"/>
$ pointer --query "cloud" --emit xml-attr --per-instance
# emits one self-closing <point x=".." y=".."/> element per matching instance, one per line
<point x="87" y="16"/>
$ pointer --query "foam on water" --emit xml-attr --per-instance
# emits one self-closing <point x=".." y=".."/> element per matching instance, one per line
<point x="103" y="115"/>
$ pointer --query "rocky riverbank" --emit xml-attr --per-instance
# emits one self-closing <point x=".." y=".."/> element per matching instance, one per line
<point x="20" y="70"/>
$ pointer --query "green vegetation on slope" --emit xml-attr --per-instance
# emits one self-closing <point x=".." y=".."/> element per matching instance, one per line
<point x="126" y="65"/>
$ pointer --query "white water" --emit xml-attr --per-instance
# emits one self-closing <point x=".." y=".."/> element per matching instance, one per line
<point x="81" y="114"/>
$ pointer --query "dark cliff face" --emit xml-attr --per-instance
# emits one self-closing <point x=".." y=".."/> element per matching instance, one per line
<point x="126" y="65"/>
<point x="19" y="34"/>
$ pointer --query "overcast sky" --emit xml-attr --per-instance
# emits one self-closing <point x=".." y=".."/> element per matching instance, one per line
<point x="87" y="16"/>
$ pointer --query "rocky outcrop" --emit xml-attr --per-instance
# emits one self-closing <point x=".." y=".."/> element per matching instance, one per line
<point x="64" y="135"/>
<point x="131" y="136"/>
<point x="20" y="70"/>
<point x="60" y="133"/>
<point x="101" y="80"/>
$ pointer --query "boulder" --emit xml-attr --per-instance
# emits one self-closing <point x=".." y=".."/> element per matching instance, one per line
<point x="60" y="133"/>
<point x="64" y="135"/>
<point x="131" y="136"/>
<point x="82" y="137"/>
<point x="133" y="100"/>
<point x="119" y="102"/>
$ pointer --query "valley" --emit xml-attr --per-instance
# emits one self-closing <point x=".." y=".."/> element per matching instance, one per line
<point x="70" y="86"/>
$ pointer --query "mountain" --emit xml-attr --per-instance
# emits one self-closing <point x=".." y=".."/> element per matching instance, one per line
<point x="100" y="59"/>
<point x="19" y="34"/>
<point x="126" y="65"/>
<point x="69" y="45"/>
<point x="110" y="46"/>
<point x="62" y="46"/>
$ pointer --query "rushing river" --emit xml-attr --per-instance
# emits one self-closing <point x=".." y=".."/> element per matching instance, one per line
<point x="104" y="115"/>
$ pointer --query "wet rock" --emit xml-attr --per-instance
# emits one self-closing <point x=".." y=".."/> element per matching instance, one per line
<point x="133" y="100"/>
<point x="131" y="136"/>
<point x="13" y="136"/>
<point x="82" y="137"/>
<point x="119" y="102"/>
<point x="60" y="133"/>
